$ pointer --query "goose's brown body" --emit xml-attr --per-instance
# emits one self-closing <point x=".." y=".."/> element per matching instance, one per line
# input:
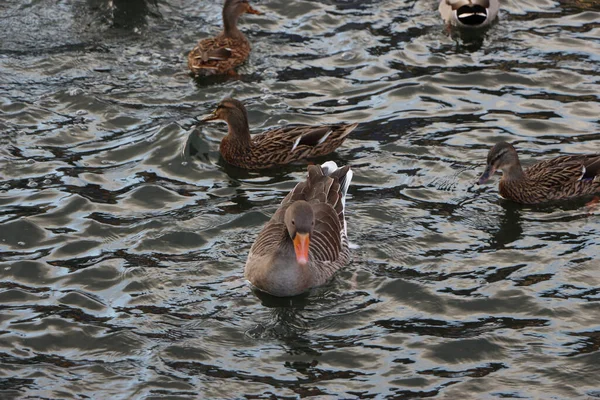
<point x="554" y="179"/>
<point x="221" y="54"/>
<point x="272" y="264"/>
<point x="274" y="147"/>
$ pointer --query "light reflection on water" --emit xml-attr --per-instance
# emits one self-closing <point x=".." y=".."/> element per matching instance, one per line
<point x="124" y="235"/>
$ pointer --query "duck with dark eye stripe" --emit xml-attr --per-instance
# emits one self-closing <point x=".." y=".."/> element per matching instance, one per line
<point x="554" y="179"/>
<point x="220" y="55"/>
<point x="305" y="242"/>
<point x="469" y="14"/>
<point x="274" y="147"/>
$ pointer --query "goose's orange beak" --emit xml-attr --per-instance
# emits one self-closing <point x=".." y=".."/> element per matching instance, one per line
<point x="301" y="244"/>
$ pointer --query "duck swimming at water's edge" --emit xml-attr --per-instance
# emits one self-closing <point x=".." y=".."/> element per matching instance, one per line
<point x="278" y="146"/>
<point x="221" y="54"/>
<point x="558" y="178"/>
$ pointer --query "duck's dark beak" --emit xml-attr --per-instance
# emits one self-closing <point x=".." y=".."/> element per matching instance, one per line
<point x="487" y="174"/>
<point x="301" y="244"/>
<point x="251" y="10"/>
<point x="210" y="117"/>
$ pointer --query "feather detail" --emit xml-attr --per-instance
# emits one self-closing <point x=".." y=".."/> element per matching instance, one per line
<point x="218" y="55"/>
<point x="296" y="143"/>
<point x="325" y="136"/>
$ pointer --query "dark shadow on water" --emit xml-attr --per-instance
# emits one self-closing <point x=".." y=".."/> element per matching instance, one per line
<point x="204" y="82"/>
<point x="296" y="302"/>
<point x="284" y="320"/>
<point x="278" y="173"/>
<point x="468" y="41"/>
<point x="126" y="14"/>
<point x="510" y="229"/>
<point x="573" y="204"/>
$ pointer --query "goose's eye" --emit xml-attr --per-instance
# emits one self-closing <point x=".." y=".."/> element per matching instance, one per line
<point x="293" y="222"/>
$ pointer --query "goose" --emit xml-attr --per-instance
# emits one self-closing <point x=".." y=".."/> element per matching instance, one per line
<point x="305" y="242"/>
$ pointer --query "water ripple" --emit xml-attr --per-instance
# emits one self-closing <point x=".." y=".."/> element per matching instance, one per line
<point x="124" y="234"/>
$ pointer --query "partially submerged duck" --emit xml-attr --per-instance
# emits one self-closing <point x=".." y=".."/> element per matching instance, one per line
<point x="469" y="13"/>
<point x="558" y="178"/>
<point x="305" y="242"/>
<point x="221" y="54"/>
<point x="278" y="146"/>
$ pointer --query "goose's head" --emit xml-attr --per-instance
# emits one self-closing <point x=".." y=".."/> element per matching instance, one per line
<point x="299" y="220"/>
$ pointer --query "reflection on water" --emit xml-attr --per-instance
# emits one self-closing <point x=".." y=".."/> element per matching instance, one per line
<point x="125" y="13"/>
<point x="124" y="235"/>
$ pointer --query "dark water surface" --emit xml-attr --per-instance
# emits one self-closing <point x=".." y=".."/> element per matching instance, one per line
<point x="123" y="236"/>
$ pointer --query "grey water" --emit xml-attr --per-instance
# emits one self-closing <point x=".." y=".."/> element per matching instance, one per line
<point x="123" y="235"/>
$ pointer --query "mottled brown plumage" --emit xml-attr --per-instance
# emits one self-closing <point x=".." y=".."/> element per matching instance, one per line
<point x="220" y="55"/>
<point x="555" y="179"/>
<point x="274" y="147"/>
<point x="314" y="211"/>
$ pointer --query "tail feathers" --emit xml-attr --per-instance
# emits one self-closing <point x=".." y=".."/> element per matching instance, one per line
<point x="591" y="169"/>
<point x="329" y="167"/>
<point x="215" y="55"/>
<point x="344" y="176"/>
<point x="344" y="185"/>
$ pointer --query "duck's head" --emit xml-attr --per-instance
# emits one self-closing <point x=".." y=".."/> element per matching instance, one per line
<point x="500" y="158"/>
<point x="470" y="13"/>
<point x="229" y="110"/>
<point x="300" y="220"/>
<point x="232" y="9"/>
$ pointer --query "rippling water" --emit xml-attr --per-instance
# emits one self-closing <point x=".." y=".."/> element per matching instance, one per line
<point x="123" y="235"/>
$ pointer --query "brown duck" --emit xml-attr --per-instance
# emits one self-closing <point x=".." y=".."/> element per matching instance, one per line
<point x="305" y="242"/>
<point x="554" y="179"/>
<point x="221" y="54"/>
<point x="274" y="147"/>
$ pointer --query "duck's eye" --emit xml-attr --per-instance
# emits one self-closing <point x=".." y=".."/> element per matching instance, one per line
<point x="293" y="222"/>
